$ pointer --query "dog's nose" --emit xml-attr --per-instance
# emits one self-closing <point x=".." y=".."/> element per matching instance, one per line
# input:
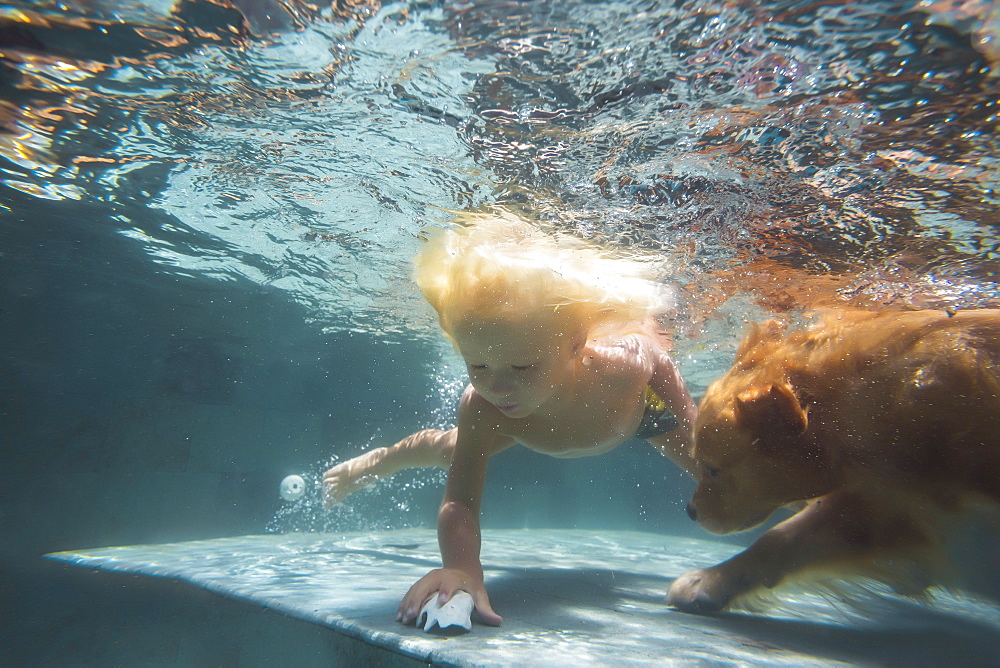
<point x="692" y="513"/>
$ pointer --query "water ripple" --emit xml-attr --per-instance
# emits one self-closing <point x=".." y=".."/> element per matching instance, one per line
<point x="781" y="154"/>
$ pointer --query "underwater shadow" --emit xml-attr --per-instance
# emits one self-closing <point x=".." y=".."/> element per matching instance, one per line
<point x="905" y="634"/>
<point x="609" y="601"/>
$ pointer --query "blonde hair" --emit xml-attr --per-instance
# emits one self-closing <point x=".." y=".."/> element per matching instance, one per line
<point x="498" y="264"/>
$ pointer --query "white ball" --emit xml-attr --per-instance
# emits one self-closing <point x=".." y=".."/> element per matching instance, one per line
<point x="292" y="488"/>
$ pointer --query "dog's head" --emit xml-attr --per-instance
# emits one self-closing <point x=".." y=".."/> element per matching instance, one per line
<point x="752" y="444"/>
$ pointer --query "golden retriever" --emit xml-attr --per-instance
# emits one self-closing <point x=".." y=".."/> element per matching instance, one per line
<point x="878" y="425"/>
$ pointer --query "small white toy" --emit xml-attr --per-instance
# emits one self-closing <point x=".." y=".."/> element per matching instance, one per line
<point x="292" y="488"/>
<point x="456" y="612"/>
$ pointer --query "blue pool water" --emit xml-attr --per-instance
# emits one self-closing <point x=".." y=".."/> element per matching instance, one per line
<point x="207" y="211"/>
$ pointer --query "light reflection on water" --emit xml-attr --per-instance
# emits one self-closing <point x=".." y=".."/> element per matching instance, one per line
<point x="847" y="151"/>
<point x="782" y="154"/>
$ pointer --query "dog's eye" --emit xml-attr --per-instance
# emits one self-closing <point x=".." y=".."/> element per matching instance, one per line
<point x="711" y="472"/>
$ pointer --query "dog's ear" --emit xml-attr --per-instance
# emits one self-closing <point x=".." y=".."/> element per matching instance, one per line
<point x="762" y="409"/>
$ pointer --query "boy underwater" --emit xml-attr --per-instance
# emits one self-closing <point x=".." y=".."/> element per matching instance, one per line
<point x="564" y="357"/>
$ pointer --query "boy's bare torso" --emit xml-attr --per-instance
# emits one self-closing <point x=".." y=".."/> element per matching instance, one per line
<point x="597" y="408"/>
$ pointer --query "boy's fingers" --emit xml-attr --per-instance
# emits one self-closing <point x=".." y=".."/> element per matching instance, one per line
<point x="492" y="619"/>
<point x="445" y="592"/>
<point x="407" y="610"/>
<point x="483" y="610"/>
<point x="451" y="582"/>
<point x="444" y="584"/>
<point x="415" y="599"/>
<point x="407" y="613"/>
<point x="485" y="613"/>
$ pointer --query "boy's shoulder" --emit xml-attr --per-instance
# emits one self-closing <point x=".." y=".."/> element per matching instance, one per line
<point x="629" y="352"/>
<point x="632" y="342"/>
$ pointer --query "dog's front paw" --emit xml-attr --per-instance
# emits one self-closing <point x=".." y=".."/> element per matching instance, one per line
<point x="702" y="591"/>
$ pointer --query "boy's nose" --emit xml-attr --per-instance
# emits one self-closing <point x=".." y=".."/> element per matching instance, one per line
<point x="500" y="386"/>
<point x="502" y="398"/>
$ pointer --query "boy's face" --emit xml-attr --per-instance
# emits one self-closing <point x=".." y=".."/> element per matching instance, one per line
<point x="516" y="365"/>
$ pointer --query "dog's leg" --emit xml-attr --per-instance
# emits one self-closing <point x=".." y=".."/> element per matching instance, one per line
<point x="842" y="530"/>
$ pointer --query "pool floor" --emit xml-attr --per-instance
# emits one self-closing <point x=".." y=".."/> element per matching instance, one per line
<point x="568" y="597"/>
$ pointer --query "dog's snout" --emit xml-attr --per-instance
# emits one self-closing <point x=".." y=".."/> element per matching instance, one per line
<point x="692" y="512"/>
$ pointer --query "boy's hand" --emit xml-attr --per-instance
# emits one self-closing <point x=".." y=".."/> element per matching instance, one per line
<point x="338" y="482"/>
<point x="444" y="582"/>
<point x="350" y="476"/>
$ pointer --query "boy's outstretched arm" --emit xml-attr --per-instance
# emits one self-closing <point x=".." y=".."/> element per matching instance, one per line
<point x="666" y="381"/>
<point x="429" y="447"/>
<point x="458" y="519"/>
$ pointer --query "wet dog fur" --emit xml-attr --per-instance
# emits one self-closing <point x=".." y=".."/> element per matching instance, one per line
<point x="880" y="426"/>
